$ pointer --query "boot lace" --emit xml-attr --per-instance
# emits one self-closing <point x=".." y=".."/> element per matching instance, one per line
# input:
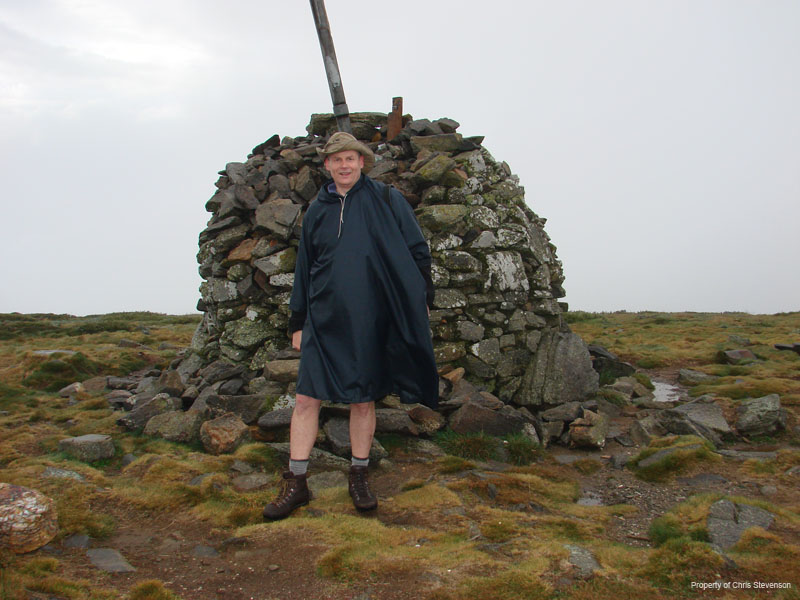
<point x="287" y="488"/>
<point x="361" y="485"/>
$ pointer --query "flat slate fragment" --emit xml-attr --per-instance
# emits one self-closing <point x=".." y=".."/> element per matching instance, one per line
<point x="109" y="560"/>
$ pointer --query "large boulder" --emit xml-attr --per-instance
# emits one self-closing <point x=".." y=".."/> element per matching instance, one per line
<point x="727" y="521"/>
<point x="28" y="518"/>
<point x="700" y="417"/>
<point x="760" y="416"/>
<point x="561" y="371"/>
<point x="88" y="448"/>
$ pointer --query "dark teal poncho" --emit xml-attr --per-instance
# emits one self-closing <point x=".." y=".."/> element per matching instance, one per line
<point x="361" y="285"/>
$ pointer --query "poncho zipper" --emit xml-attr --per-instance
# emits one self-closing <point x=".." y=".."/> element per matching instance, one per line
<point x="341" y="216"/>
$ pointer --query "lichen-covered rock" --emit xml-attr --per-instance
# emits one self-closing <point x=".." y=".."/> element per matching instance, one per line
<point x="561" y="371"/>
<point x="474" y="418"/>
<point x="705" y="419"/>
<point x="223" y="434"/>
<point x="176" y="426"/>
<point x="282" y="370"/>
<point x="247" y="333"/>
<point x="278" y="216"/>
<point x="761" y="416"/>
<point x="506" y="272"/>
<point x="393" y="420"/>
<point x="28" y="518"/>
<point x="736" y="357"/>
<point x="276" y="419"/>
<point x="88" y="448"/>
<point x="727" y="521"/>
<point x="443" y="217"/>
<point x="427" y="420"/>
<point x="590" y="431"/>
<point x="170" y="383"/>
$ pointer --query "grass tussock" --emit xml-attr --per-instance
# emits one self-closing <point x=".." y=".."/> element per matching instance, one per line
<point x="59" y="370"/>
<point x="508" y="585"/>
<point x="77" y="513"/>
<point x="521" y="450"/>
<point x="678" y="562"/>
<point x="151" y="589"/>
<point x="471" y="446"/>
<point x="674" y="455"/>
<point x="426" y="496"/>
<point x="587" y="466"/>
<point x="454" y="464"/>
<point x="606" y="587"/>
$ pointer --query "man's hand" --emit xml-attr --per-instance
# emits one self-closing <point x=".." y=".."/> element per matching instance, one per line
<point x="297" y="337"/>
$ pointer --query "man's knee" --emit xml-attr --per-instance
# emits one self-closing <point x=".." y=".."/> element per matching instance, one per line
<point x="305" y="405"/>
<point x="362" y="409"/>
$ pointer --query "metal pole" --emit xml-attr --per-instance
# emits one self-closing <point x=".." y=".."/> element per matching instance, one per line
<point x="340" y="109"/>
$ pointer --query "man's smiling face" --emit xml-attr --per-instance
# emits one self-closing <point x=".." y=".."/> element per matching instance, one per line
<point x="345" y="168"/>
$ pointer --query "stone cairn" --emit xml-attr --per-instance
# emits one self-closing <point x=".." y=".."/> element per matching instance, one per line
<point x="501" y="344"/>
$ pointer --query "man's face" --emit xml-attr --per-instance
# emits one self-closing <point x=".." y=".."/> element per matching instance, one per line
<point x="345" y="168"/>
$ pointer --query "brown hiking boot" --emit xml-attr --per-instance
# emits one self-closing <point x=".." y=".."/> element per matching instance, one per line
<point x="293" y="495"/>
<point x="363" y="498"/>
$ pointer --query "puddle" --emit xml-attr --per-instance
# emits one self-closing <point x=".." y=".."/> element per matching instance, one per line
<point x="666" y="392"/>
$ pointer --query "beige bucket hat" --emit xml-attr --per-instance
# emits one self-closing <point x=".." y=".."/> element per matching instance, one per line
<point x="341" y="141"/>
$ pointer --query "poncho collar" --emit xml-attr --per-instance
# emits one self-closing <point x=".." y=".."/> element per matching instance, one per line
<point x="329" y="193"/>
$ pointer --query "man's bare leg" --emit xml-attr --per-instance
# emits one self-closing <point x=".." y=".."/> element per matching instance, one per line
<point x="304" y="427"/>
<point x="362" y="428"/>
<point x="302" y="435"/>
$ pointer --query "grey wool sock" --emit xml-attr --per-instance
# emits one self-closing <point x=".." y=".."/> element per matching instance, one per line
<point x="359" y="462"/>
<point x="298" y="467"/>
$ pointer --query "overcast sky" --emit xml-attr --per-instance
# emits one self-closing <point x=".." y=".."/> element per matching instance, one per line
<point x="660" y="138"/>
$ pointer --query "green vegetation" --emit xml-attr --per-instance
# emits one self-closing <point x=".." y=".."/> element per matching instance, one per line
<point x="670" y="455"/>
<point x="474" y="446"/>
<point x="151" y="590"/>
<point x="521" y="449"/>
<point x="665" y="528"/>
<point x="694" y="340"/>
<point x="61" y="370"/>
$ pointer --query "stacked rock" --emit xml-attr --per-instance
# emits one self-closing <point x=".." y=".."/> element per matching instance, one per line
<point x="498" y="280"/>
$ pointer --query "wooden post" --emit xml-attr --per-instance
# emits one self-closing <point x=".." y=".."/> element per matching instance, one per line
<point x="340" y="110"/>
<point x="395" y="124"/>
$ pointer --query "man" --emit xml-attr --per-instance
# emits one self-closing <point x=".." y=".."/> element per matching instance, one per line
<point x="360" y="305"/>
